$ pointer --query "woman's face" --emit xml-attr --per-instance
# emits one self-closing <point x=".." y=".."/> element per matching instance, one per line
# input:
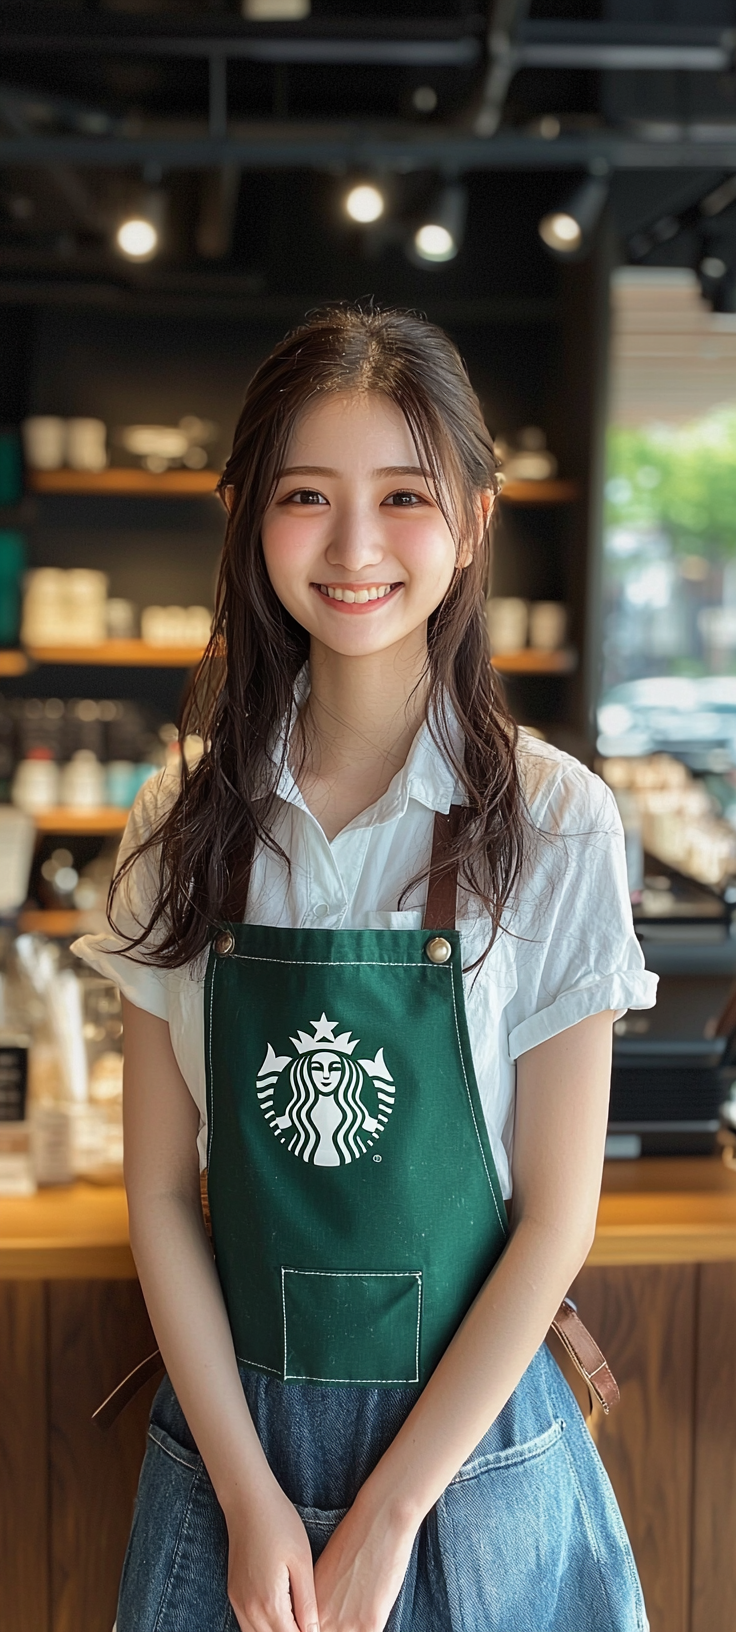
<point x="355" y="544"/>
<point x="326" y="1069"/>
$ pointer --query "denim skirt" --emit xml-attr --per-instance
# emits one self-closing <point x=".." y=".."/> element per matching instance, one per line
<point x="527" y="1537"/>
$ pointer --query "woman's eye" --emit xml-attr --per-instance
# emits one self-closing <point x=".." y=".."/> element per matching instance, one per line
<point x="403" y="500"/>
<point x="305" y="495"/>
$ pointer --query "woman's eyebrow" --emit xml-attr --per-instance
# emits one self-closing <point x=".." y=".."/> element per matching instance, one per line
<point x="307" y="470"/>
<point x="326" y="470"/>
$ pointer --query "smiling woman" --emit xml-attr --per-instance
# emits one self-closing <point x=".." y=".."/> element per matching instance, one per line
<point x="367" y="540"/>
<point x="363" y="1350"/>
<point x="361" y="461"/>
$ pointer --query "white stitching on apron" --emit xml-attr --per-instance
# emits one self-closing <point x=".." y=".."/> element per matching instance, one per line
<point x="334" y="963"/>
<point x="470" y="1102"/>
<point x="361" y="1274"/>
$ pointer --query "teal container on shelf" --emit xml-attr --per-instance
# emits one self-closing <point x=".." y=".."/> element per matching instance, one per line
<point x="11" y="466"/>
<point x="13" y="562"/>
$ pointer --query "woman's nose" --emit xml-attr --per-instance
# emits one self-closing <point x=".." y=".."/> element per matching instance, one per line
<point x="356" y="541"/>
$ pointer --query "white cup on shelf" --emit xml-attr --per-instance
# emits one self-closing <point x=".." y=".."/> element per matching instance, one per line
<point x="44" y="607"/>
<point x="44" y="441"/>
<point x="547" y="625"/>
<point x="86" y="444"/>
<point x="121" y="618"/>
<point x="508" y="623"/>
<point x="86" y="593"/>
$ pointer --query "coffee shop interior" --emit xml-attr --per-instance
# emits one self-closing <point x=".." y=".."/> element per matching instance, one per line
<point x="554" y="184"/>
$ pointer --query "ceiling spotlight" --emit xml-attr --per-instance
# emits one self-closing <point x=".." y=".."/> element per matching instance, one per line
<point x="365" y="203"/>
<point x="140" y="235"/>
<point x="567" y="232"/>
<point x="561" y="232"/>
<point x="439" y="238"/>
<point x="137" y="238"/>
<point x="435" y="242"/>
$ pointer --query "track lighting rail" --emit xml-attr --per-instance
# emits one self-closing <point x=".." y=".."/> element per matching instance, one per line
<point x="297" y="146"/>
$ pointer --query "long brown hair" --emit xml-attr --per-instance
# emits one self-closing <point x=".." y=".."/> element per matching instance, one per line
<point x="244" y="688"/>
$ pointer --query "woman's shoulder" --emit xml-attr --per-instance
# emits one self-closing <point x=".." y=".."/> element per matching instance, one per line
<point x="560" y="793"/>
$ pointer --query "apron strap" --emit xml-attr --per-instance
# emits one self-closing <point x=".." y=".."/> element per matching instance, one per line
<point x="441" y="909"/>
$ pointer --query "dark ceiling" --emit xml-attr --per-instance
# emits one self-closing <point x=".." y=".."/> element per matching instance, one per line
<point x="248" y="131"/>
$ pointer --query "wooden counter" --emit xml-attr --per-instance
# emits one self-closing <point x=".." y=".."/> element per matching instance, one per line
<point x="658" y="1291"/>
<point x="651" y="1212"/>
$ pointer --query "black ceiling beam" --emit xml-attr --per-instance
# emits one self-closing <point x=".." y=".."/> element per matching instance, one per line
<point x="309" y="147"/>
<point x="545" y="43"/>
<point x="415" y="42"/>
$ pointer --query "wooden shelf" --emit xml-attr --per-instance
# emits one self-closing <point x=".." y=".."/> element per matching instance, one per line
<point x="185" y="484"/>
<point x="58" y="923"/>
<point x="120" y="653"/>
<point x="551" y="492"/>
<point x="141" y="654"/>
<point x="529" y="661"/>
<point x="191" y="484"/>
<point x="13" y="663"/>
<point x="96" y="823"/>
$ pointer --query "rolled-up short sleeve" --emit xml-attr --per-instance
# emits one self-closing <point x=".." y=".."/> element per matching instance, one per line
<point x="581" y="954"/>
<point x="149" y="988"/>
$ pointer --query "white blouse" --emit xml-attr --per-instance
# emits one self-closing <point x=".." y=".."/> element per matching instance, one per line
<point x="567" y="950"/>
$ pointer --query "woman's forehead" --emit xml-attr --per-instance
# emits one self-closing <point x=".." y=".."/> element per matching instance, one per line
<point x="344" y="427"/>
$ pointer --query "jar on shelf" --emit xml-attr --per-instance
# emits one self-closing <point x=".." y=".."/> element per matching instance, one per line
<point x="35" y="785"/>
<point x="82" y="784"/>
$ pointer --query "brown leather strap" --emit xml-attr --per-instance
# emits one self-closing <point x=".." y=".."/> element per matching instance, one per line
<point x="586" y="1355"/>
<point x="108" y="1413"/>
<point x="574" y="1336"/>
<point x="441" y="909"/>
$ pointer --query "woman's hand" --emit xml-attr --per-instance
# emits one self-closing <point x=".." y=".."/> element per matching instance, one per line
<point x="270" y="1578"/>
<point x="358" y="1577"/>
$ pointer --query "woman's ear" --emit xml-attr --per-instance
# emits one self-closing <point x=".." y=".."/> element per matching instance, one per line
<point x="484" y="509"/>
<point x="227" y="495"/>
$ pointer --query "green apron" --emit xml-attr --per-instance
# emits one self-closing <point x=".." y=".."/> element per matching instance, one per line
<point x="355" y="1205"/>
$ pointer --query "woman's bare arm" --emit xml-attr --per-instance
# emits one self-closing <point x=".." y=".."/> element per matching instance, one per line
<point x="561" y="1113"/>
<point x="271" y="1581"/>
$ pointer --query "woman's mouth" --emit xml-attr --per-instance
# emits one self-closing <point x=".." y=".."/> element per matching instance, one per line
<point x="357" y="597"/>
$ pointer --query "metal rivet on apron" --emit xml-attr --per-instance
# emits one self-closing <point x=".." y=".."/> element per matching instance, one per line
<point x="225" y="943"/>
<point x="438" y="950"/>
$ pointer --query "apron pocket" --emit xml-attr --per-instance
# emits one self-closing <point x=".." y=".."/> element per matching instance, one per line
<point x="335" y="1319"/>
<point x="175" y="1570"/>
<point x="517" y="1548"/>
<point x="319" y="1523"/>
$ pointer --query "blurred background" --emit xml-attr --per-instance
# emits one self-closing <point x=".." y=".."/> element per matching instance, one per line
<point x="554" y="182"/>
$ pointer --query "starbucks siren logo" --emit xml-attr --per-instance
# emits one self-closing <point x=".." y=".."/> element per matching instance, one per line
<point x="323" y="1118"/>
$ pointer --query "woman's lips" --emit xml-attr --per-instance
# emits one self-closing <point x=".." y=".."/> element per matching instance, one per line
<point x="363" y="597"/>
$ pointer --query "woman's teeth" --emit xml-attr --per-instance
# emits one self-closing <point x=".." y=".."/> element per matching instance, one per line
<point x="360" y="595"/>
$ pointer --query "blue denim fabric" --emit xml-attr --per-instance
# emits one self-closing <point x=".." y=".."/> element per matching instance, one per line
<point x="526" y="1538"/>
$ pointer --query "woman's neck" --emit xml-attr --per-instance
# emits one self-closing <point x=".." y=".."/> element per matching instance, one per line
<point x="358" y="724"/>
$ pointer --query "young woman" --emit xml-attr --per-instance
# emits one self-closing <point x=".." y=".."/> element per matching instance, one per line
<point x="370" y="950"/>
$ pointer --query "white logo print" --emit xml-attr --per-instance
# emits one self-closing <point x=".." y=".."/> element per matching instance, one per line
<point x="325" y="1120"/>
